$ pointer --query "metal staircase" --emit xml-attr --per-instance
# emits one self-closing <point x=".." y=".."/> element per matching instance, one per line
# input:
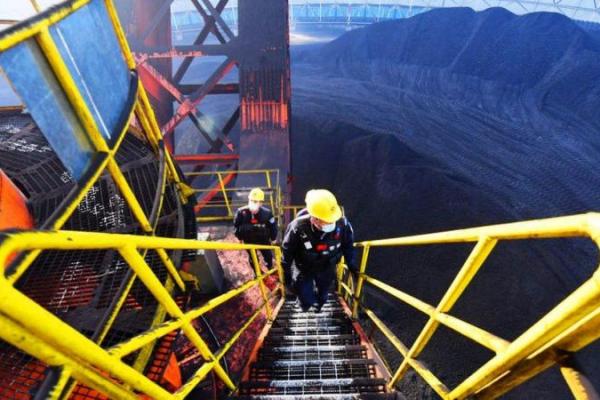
<point x="308" y="355"/>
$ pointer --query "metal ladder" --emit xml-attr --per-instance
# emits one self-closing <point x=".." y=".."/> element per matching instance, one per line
<point x="308" y="355"/>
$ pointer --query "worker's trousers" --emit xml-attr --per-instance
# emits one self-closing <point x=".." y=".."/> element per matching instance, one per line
<point x="313" y="287"/>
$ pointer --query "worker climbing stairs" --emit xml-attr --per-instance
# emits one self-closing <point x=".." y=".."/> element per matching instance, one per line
<point x="308" y="355"/>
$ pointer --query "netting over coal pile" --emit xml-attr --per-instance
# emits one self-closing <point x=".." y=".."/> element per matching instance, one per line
<point x="83" y="288"/>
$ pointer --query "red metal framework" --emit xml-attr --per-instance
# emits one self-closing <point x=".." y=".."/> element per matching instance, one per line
<point x="258" y="48"/>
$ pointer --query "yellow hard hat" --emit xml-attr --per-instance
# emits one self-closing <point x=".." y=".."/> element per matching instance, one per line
<point x="256" y="195"/>
<point x="321" y="203"/>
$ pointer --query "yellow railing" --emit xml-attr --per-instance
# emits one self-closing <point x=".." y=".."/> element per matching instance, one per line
<point x="33" y="329"/>
<point x="232" y="196"/>
<point x="571" y="325"/>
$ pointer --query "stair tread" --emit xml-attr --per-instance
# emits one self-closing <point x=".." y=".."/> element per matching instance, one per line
<point x="308" y="355"/>
<point x="325" y="336"/>
<point x="282" y="383"/>
<point x="341" y="361"/>
<point x="316" y="348"/>
<point x="330" y="396"/>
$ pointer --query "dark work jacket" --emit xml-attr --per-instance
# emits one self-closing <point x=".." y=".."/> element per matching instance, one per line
<point x="259" y="228"/>
<point x="314" y="250"/>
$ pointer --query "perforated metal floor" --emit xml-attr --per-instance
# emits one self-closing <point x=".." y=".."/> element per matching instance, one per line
<point x="309" y="355"/>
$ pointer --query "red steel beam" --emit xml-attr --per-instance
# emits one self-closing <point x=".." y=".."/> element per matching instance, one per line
<point x="206" y="158"/>
<point x="188" y="105"/>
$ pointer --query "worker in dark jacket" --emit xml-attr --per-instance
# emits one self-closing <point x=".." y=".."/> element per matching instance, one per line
<point x="315" y="241"/>
<point x="255" y="224"/>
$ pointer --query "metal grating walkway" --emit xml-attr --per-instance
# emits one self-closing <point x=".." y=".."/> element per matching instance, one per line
<point x="308" y="355"/>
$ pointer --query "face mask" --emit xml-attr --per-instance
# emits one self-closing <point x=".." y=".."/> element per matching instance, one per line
<point x="253" y="207"/>
<point x="328" y="228"/>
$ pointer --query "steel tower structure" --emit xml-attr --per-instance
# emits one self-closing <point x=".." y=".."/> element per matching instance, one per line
<point x="261" y="58"/>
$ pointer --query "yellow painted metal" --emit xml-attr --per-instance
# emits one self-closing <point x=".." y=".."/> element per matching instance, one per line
<point x="63" y="339"/>
<point x="584" y="300"/>
<point x="79" y="240"/>
<point x="225" y="196"/>
<point x="229" y="205"/>
<point x="339" y="274"/>
<point x="63" y="380"/>
<point x="474" y="333"/>
<point x="29" y="31"/>
<point x="120" y="33"/>
<point x="278" y="256"/>
<point x="128" y="195"/>
<point x="347" y="289"/>
<point x="69" y="87"/>
<point x="572" y="324"/>
<point x="569" y="226"/>
<point x="139" y="341"/>
<point x="198" y="376"/>
<point x="19" y="337"/>
<point x="268" y="179"/>
<point x="463" y="278"/>
<point x="86" y="240"/>
<point x="225" y="348"/>
<point x="240" y="172"/>
<point x="261" y="283"/>
<point x="579" y="335"/>
<point x="89" y="125"/>
<point x="423" y="371"/>
<point x="580" y="385"/>
<point x="143" y="271"/>
<point x="361" y="280"/>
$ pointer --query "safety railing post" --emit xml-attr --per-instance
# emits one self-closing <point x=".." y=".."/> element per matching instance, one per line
<point x="131" y="255"/>
<point x="576" y="379"/>
<point x="361" y="280"/>
<point x="261" y="283"/>
<point x="268" y="180"/>
<point x="278" y="257"/>
<point x="225" y="196"/>
<point x="475" y="260"/>
<point x="340" y="275"/>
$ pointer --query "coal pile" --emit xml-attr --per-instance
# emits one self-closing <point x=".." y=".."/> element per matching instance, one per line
<point x="453" y="119"/>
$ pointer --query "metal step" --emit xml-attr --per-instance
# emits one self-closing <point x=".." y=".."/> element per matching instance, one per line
<point x="309" y="355"/>
<point x="326" y="307"/>
<point x="287" y="363"/>
<point x="311" y="330"/>
<point x="311" y="322"/>
<point x="309" y="314"/>
<point x="261" y="371"/>
<point x="313" y="386"/>
<point x="312" y="340"/>
<point x="333" y="396"/>
<point x="296" y="349"/>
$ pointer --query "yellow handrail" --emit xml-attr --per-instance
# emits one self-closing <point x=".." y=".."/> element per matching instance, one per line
<point x="65" y="346"/>
<point x="271" y="186"/>
<point x="571" y="325"/>
<point x="33" y="329"/>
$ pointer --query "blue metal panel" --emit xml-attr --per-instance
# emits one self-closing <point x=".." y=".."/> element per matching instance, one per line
<point x="30" y="75"/>
<point x="88" y="45"/>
